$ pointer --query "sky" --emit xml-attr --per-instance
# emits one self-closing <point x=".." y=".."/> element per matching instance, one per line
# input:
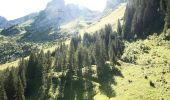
<point x="12" y="9"/>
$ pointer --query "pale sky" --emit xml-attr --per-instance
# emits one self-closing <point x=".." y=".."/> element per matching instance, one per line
<point x="12" y="9"/>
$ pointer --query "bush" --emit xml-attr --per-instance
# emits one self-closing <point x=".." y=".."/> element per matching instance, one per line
<point x="152" y="84"/>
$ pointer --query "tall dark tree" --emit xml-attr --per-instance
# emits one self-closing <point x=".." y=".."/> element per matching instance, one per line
<point x="108" y="31"/>
<point x="20" y="90"/>
<point x="100" y="57"/>
<point x="22" y="71"/>
<point x="48" y="62"/>
<point x="80" y="61"/>
<point x="11" y="86"/>
<point x="3" y="95"/>
<point x="33" y="76"/>
<point x="119" y="29"/>
<point x="71" y="57"/>
<point x="112" y="55"/>
<point x="167" y="18"/>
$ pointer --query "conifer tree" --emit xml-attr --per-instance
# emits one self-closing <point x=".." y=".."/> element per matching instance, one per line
<point x="71" y="57"/>
<point x="112" y="55"/>
<point x="100" y="59"/>
<point x="33" y="76"/>
<point x="108" y="31"/>
<point x="48" y="62"/>
<point x="11" y="86"/>
<point x="119" y="29"/>
<point x="21" y="71"/>
<point x="20" y="90"/>
<point x="167" y="19"/>
<point x="80" y="61"/>
<point x="3" y="95"/>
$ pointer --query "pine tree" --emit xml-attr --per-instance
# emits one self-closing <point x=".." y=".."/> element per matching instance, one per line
<point x="48" y="62"/>
<point x="71" y="57"/>
<point x="33" y="76"/>
<point x="21" y="71"/>
<point x="11" y="86"/>
<point x="167" y="19"/>
<point x="112" y="55"/>
<point x="80" y="61"/>
<point x="100" y="58"/>
<point x="3" y="95"/>
<point x="108" y="31"/>
<point x="20" y="90"/>
<point x="119" y="29"/>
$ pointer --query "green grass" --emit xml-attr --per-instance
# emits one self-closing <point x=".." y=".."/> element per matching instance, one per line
<point x="151" y="64"/>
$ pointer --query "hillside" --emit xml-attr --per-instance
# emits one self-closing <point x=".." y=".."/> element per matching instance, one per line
<point x="82" y="26"/>
<point x="108" y="18"/>
<point x="152" y="65"/>
<point x="121" y="54"/>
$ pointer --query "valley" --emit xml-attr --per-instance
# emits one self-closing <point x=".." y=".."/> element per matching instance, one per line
<point x="122" y="53"/>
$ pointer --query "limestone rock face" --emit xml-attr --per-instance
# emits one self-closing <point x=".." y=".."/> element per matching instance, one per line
<point x="142" y="18"/>
<point x="54" y="15"/>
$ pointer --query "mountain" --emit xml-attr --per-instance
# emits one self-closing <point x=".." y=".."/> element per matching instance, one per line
<point x="145" y="17"/>
<point x="56" y="14"/>
<point x="100" y="65"/>
<point x="22" y="19"/>
<point x="4" y="23"/>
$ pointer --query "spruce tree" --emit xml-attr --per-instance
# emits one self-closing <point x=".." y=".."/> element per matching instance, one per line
<point x="20" y="90"/>
<point x="11" y="86"/>
<point x="3" y="95"/>
<point x="119" y="29"/>
<point x="71" y="57"/>
<point x="22" y="71"/>
<point x="167" y="19"/>
<point x="100" y="58"/>
<point x="48" y="62"/>
<point x="108" y="31"/>
<point x="80" y="61"/>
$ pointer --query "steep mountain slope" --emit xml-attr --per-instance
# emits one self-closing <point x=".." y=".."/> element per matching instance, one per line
<point x="56" y="14"/>
<point x="108" y="18"/>
<point x="23" y="19"/>
<point x="16" y="30"/>
<point x="4" y="23"/>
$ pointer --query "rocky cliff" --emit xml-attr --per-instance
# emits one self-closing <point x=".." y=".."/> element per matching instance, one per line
<point x="144" y="17"/>
<point x="55" y="14"/>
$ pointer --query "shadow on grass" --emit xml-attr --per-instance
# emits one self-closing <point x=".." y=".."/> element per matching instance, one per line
<point x="82" y="88"/>
<point x="78" y="89"/>
<point x="107" y="79"/>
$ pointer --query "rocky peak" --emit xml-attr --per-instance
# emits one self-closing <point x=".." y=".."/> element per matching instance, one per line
<point x="3" y="22"/>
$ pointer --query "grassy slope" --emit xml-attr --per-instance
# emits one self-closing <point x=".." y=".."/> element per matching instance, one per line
<point x="153" y="65"/>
